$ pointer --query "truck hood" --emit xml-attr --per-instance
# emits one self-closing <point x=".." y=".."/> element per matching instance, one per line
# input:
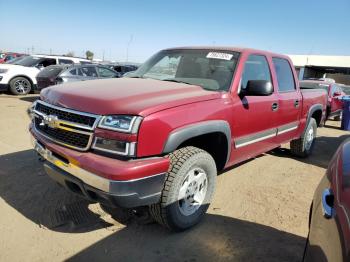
<point x="132" y="96"/>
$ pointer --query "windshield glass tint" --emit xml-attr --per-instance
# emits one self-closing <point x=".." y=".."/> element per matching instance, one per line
<point x="28" y="61"/>
<point x="210" y="69"/>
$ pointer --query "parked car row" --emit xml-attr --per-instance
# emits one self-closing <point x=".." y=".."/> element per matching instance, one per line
<point x="21" y="74"/>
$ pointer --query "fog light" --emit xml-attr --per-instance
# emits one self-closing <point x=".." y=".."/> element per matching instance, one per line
<point x="114" y="146"/>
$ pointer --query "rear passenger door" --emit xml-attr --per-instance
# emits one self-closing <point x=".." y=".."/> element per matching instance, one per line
<point x="289" y="100"/>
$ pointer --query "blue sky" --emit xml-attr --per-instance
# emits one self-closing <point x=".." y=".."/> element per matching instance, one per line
<point x="291" y="27"/>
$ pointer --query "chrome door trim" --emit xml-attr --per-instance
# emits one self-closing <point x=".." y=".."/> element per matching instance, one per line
<point x="287" y="128"/>
<point x="247" y="140"/>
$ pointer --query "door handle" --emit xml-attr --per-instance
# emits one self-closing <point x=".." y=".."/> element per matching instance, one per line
<point x="296" y="103"/>
<point x="274" y="107"/>
<point x="328" y="203"/>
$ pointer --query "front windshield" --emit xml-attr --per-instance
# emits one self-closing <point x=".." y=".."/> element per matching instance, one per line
<point x="28" y="61"/>
<point x="210" y="69"/>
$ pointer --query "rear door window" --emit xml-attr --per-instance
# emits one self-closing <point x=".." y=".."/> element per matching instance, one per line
<point x="284" y="75"/>
<point x="65" y="61"/>
<point x="255" y="68"/>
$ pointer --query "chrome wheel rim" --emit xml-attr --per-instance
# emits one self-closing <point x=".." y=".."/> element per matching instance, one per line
<point x="309" y="138"/>
<point x="22" y="86"/>
<point x="192" y="191"/>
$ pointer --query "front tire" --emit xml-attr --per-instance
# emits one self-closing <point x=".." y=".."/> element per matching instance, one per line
<point x="303" y="146"/>
<point x="20" y="86"/>
<point x="188" y="189"/>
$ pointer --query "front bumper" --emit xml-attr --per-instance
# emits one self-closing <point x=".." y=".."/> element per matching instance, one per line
<point x="128" y="193"/>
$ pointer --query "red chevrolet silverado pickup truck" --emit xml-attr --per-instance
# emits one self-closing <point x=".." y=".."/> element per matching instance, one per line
<point x="158" y="137"/>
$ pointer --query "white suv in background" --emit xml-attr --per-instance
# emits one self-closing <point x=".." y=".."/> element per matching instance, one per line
<point x="19" y="77"/>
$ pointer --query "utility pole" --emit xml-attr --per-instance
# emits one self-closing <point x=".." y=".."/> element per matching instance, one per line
<point x="103" y="55"/>
<point x="127" y="48"/>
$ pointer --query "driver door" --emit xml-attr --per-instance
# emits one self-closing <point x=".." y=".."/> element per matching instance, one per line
<point x="254" y="117"/>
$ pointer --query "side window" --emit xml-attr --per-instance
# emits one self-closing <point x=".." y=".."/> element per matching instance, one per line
<point x="65" y="62"/>
<point x="284" y="75"/>
<point x="73" y="72"/>
<point x="47" y="62"/>
<point x="88" y="71"/>
<point x="255" y="68"/>
<point x="104" y="72"/>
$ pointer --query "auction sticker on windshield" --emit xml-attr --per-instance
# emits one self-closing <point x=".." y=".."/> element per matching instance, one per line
<point x="218" y="55"/>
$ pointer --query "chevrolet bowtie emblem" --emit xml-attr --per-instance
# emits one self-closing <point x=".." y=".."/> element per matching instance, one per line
<point x="50" y="121"/>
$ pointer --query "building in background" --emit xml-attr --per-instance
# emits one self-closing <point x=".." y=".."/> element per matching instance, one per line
<point x="322" y="66"/>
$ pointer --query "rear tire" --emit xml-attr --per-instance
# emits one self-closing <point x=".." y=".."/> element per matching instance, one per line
<point x="303" y="146"/>
<point x="20" y="86"/>
<point x="188" y="189"/>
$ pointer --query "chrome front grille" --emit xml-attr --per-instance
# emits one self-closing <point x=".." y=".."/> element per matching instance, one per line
<point x="67" y="127"/>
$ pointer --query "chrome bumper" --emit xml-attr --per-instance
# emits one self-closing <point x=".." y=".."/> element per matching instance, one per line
<point x="85" y="176"/>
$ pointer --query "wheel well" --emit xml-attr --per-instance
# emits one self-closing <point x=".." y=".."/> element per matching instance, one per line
<point x="317" y="115"/>
<point x="214" y="143"/>
<point x="24" y="76"/>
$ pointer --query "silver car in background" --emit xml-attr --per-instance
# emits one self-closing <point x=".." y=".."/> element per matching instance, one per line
<point x="58" y="74"/>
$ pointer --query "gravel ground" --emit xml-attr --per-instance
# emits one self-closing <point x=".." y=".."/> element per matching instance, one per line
<point x="260" y="210"/>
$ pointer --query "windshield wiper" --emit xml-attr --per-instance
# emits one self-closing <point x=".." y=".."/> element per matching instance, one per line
<point x="176" y="81"/>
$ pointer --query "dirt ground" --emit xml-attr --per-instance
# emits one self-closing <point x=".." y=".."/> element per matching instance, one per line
<point x="259" y="213"/>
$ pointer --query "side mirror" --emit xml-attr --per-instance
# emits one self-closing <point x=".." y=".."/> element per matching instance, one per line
<point x="259" y="88"/>
<point x="337" y="94"/>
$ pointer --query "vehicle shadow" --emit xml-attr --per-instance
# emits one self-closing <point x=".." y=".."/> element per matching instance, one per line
<point x="216" y="238"/>
<point x="30" y="99"/>
<point x="25" y="186"/>
<point x="323" y="151"/>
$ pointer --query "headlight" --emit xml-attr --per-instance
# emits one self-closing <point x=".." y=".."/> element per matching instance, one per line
<point x="2" y="71"/>
<point x="122" y="123"/>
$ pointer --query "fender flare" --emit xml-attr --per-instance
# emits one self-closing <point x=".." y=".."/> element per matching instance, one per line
<point x="312" y="110"/>
<point x="180" y="135"/>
